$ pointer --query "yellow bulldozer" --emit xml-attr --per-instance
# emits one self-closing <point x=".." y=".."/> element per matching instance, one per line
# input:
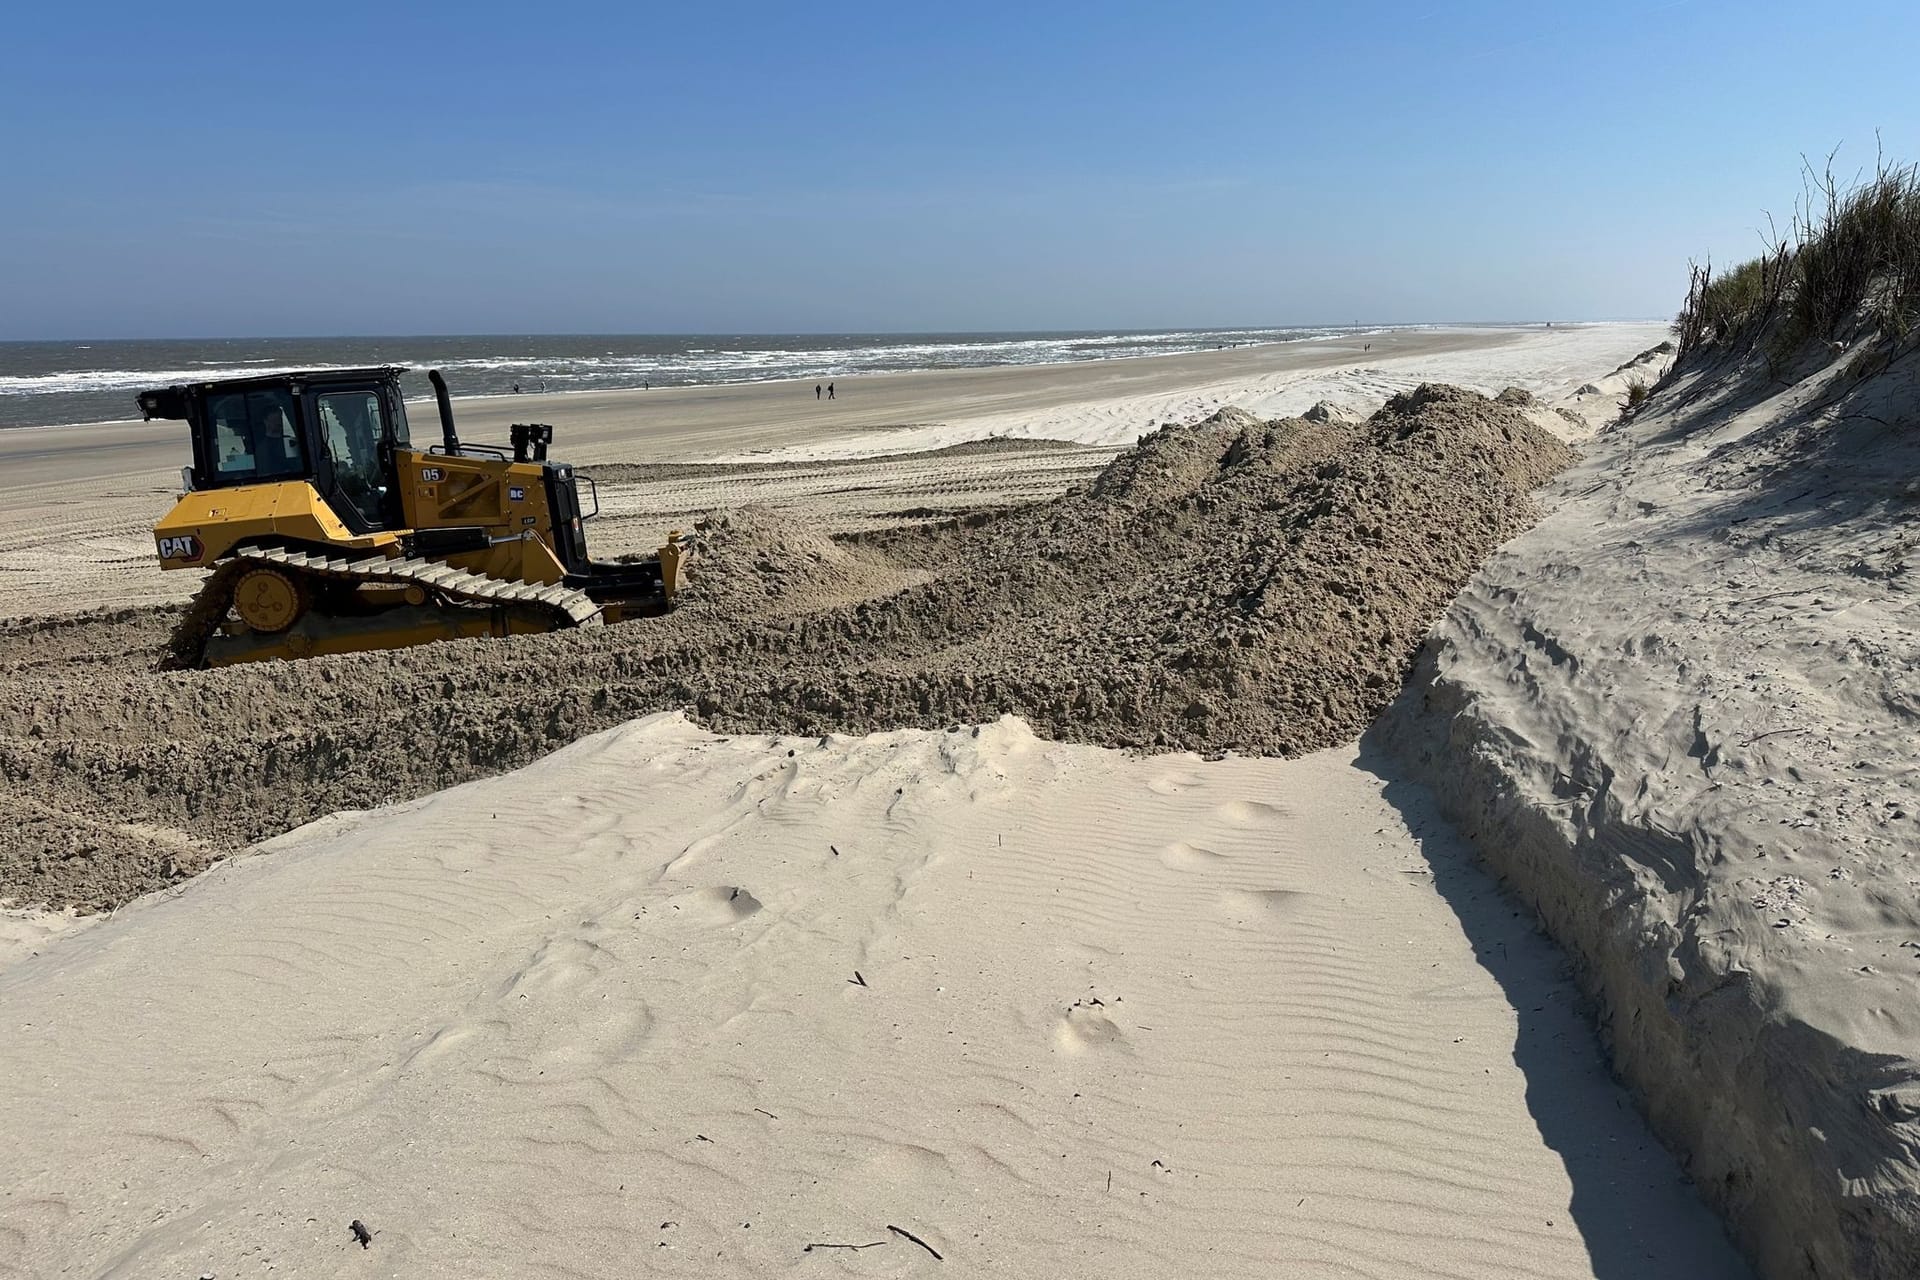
<point x="327" y="530"/>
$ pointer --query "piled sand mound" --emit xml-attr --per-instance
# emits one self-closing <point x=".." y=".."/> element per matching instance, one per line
<point x="1682" y="716"/>
<point x="756" y="564"/>
<point x="1329" y="411"/>
<point x="1232" y="586"/>
<point x="1598" y="402"/>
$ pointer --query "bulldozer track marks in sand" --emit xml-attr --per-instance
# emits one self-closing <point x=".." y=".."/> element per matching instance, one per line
<point x="187" y="646"/>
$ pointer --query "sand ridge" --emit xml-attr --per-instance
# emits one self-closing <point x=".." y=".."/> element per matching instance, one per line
<point x="1232" y="586"/>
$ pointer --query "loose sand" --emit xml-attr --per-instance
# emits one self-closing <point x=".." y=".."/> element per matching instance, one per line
<point x="1230" y="586"/>
<point x="1682" y="715"/>
<point x="80" y="502"/>
<point x="673" y="1002"/>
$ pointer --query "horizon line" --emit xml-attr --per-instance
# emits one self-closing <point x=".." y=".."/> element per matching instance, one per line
<point x="833" y="333"/>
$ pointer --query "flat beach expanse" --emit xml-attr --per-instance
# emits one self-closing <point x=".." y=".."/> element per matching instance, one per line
<point x="683" y="422"/>
<point x="75" y="530"/>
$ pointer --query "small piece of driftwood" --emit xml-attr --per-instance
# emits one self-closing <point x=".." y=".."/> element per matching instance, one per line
<point x="902" y="1231"/>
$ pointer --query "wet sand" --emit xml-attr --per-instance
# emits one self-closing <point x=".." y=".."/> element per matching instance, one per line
<point x="80" y="502"/>
<point x="686" y="422"/>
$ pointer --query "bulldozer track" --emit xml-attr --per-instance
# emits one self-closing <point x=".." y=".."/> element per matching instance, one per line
<point x="188" y="643"/>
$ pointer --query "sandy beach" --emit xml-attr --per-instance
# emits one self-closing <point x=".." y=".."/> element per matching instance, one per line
<point x="990" y="866"/>
<point x="75" y="531"/>
<point x="1049" y="1009"/>
<point x="689" y="422"/>
<point x="1029" y="642"/>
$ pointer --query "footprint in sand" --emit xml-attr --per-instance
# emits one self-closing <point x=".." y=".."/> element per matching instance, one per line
<point x="722" y="904"/>
<point x="692" y="854"/>
<point x="1087" y="1028"/>
<point x="1182" y="856"/>
<point x="905" y="1164"/>
<point x="1263" y="906"/>
<point x="1172" y="784"/>
<point x="454" y="1040"/>
<point x="560" y="967"/>
<point x="572" y="1003"/>
<point x="1251" y="813"/>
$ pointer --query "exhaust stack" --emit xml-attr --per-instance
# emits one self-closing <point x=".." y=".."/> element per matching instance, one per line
<point x="447" y="432"/>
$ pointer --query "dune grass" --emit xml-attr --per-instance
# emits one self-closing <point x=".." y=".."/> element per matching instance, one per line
<point x="1851" y="253"/>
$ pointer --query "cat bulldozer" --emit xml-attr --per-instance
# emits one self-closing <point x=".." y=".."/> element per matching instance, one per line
<point x="326" y="529"/>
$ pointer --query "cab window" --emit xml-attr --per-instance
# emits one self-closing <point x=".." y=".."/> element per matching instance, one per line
<point x="399" y="423"/>
<point x="254" y="437"/>
<point x="352" y="426"/>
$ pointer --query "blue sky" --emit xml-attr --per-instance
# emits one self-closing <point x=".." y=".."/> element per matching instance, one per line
<point x="208" y="169"/>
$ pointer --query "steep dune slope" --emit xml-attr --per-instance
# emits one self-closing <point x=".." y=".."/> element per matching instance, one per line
<point x="1680" y="715"/>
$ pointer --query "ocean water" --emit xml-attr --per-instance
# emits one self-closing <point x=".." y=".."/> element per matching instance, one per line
<point x="55" y="383"/>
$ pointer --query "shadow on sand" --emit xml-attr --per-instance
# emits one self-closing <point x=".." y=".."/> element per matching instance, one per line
<point x="1638" y="1214"/>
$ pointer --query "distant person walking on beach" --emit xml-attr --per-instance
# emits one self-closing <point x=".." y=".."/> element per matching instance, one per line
<point x="829" y="391"/>
<point x="816" y="391"/>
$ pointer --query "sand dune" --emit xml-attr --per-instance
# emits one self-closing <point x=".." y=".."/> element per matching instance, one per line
<point x="1680" y="714"/>
<point x="680" y="1004"/>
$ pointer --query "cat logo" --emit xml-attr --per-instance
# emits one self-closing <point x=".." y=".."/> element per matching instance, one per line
<point x="431" y="475"/>
<point x="516" y="494"/>
<point x="180" y="547"/>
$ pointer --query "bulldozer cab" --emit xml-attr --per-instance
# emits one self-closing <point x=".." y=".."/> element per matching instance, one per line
<point x="338" y="430"/>
<point x="324" y="530"/>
